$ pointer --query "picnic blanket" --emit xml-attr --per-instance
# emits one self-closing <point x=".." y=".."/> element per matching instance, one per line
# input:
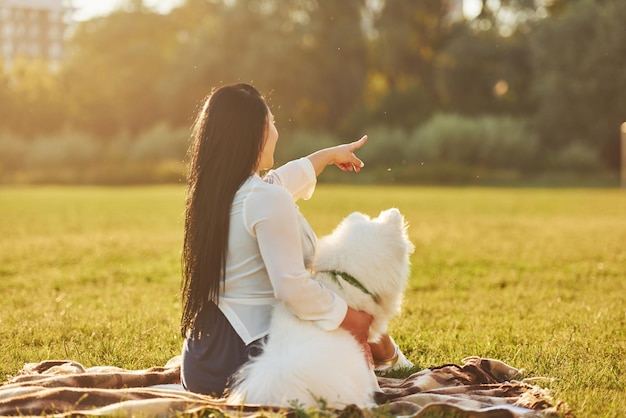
<point x="477" y="388"/>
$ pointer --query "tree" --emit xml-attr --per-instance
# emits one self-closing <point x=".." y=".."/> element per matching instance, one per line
<point x="329" y="66"/>
<point x="308" y="56"/>
<point x="407" y="39"/>
<point x="33" y="103"/>
<point x="195" y="66"/>
<point x="579" y="78"/>
<point x="113" y="69"/>
<point x="6" y="99"/>
<point x="485" y="73"/>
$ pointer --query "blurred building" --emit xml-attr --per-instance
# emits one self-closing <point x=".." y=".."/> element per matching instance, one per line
<point x="33" y="29"/>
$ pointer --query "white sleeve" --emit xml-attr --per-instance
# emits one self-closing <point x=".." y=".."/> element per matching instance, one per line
<point x="297" y="176"/>
<point x="272" y="217"/>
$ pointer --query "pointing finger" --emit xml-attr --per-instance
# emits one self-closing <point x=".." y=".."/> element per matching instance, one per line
<point x="358" y="144"/>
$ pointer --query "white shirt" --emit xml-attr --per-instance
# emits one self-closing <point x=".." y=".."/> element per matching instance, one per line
<point x="269" y="248"/>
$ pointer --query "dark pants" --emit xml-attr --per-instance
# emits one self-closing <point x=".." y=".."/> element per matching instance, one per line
<point x="213" y="353"/>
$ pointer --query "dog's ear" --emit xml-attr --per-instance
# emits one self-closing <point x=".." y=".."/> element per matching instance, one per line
<point x="391" y="216"/>
<point x="357" y="216"/>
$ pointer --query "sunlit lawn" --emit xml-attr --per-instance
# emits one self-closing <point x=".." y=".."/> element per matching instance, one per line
<point x="533" y="277"/>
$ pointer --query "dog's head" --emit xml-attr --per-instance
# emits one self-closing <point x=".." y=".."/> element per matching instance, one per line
<point x="376" y="253"/>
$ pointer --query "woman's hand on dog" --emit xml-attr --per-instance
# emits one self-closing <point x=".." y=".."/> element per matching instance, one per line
<point x="358" y="324"/>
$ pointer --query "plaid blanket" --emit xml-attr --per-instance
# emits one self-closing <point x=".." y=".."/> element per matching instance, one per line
<point x="477" y="388"/>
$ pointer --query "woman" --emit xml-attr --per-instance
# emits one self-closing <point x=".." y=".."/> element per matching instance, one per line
<point x="246" y="245"/>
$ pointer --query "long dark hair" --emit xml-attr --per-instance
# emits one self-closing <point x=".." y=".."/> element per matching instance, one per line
<point x="227" y="139"/>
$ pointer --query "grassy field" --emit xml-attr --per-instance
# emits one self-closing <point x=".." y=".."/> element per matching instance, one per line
<point x="533" y="277"/>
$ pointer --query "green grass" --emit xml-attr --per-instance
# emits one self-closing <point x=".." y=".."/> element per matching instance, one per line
<point x="533" y="277"/>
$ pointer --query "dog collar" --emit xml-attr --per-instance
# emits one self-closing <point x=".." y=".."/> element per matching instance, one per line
<point x="351" y="280"/>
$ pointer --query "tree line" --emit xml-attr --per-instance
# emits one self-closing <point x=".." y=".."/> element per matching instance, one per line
<point x="526" y="86"/>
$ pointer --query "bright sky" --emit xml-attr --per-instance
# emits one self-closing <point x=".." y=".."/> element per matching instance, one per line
<point x="471" y="8"/>
<point x="87" y="9"/>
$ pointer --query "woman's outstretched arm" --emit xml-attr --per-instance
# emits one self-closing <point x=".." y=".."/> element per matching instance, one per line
<point x="341" y="155"/>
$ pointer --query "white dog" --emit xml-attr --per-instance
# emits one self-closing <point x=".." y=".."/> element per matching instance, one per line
<point x="365" y="261"/>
